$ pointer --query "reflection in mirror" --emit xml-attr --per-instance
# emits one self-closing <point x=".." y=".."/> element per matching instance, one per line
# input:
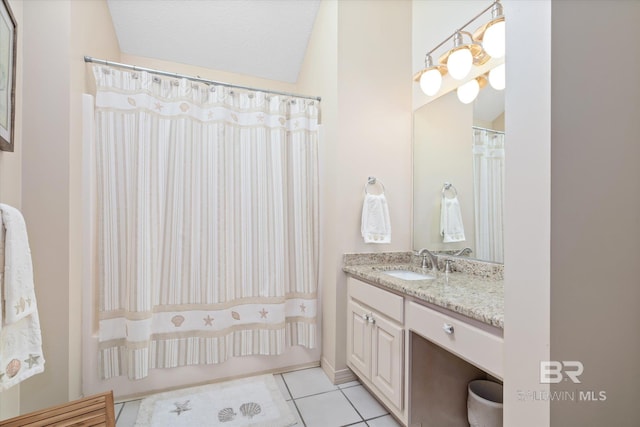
<point x="461" y="144"/>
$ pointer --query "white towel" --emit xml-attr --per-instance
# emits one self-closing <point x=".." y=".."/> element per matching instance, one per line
<point x="20" y="338"/>
<point x="451" y="227"/>
<point x="376" y="226"/>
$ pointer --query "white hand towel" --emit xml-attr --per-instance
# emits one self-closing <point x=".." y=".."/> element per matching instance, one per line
<point x="20" y="338"/>
<point x="376" y="225"/>
<point x="451" y="227"/>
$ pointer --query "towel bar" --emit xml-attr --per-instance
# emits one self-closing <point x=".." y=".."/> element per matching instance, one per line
<point x="449" y="186"/>
<point x="372" y="181"/>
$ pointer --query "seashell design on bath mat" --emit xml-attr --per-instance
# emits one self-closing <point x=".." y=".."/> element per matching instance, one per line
<point x="250" y="409"/>
<point x="182" y="407"/>
<point x="235" y="315"/>
<point x="226" y="415"/>
<point x="177" y="320"/>
<point x="13" y="367"/>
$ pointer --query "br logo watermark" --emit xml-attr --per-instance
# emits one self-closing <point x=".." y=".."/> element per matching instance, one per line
<point x="554" y="372"/>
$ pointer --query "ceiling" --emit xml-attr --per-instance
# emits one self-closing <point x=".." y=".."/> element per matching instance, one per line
<point x="262" y="38"/>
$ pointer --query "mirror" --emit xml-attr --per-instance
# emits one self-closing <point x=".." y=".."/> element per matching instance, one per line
<point x="451" y="144"/>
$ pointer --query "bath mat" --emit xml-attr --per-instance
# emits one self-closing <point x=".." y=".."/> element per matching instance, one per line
<point x="254" y="401"/>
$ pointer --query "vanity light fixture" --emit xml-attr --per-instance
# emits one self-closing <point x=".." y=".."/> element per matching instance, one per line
<point x="497" y="78"/>
<point x="492" y="35"/>
<point x="459" y="60"/>
<point x="468" y="92"/>
<point x="431" y="78"/>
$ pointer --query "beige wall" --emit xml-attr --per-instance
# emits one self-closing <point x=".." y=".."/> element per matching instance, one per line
<point x="11" y="184"/>
<point x="369" y="135"/>
<point x="319" y="75"/>
<point x="498" y="123"/>
<point x="571" y="284"/>
<point x="46" y="189"/>
<point x="527" y="218"/>
<point x="55" y="36"/>
<point x="595" y="210"/>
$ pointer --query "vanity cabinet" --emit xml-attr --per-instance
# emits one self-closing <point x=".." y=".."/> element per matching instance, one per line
<point x="375" y="340"/>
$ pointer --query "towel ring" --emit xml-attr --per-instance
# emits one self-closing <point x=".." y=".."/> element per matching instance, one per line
<point x="449" y="187"/>
<point x="372" y="181"/>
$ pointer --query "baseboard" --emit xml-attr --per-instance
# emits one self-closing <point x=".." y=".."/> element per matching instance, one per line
<point x="337" y="376"/>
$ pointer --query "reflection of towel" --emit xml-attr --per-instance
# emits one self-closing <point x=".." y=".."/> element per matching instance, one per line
<point x="451" y="227"/>
<point x="20" y="339"/>
<point x="376" y="226"/>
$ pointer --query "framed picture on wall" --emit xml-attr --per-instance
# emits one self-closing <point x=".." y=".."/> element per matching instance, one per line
<point x="7" y="76"/>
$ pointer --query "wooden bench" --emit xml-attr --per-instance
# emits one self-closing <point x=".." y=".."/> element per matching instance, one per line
<point x="90" y="411"/>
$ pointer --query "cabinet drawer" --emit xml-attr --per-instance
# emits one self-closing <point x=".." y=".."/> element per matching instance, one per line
<point x="474" y="345"/>
<point x="387" y="303"/>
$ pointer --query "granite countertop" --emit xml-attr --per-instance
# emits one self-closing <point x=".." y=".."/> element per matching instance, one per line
<point x="476" y="296"/>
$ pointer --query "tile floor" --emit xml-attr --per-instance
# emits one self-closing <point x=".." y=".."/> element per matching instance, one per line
<point x="314" y="400"/>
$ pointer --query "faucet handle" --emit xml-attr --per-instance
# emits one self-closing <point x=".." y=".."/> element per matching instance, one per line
<point x="447" y="265"/>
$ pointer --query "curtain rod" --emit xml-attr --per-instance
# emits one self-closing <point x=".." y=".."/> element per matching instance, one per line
<point x="197" y="79"/>
<point x="487" y="129"/>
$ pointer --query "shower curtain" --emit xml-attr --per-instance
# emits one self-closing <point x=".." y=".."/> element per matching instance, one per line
<point x="207" y="201"/>
<point x="488" y="179"/>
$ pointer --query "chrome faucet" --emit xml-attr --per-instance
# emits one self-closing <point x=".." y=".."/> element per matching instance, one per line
<point x="463" y="252"/>
<point x="428" y="257"/>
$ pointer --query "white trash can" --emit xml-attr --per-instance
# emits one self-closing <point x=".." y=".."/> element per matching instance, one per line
<point x="484" y="404"/>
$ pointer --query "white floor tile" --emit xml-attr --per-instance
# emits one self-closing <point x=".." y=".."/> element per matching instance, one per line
<point x="349" y="384"/>
<point x="327" y="410"/>
<point x="307" y="382"/>
<point x="293" y="408"/>
<point x="129" y="414"/>
<point x="386" y="421"/>
<point x="364" y="403"/>
<point x="359" y="425"/>
<point x="283" y="387"/>
<point x="116" y="409"/>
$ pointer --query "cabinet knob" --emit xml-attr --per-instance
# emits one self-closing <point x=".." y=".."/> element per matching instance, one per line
<point x="448" y="328"/>
<point x="372" y="320"/>
<point x="366" y="317"/>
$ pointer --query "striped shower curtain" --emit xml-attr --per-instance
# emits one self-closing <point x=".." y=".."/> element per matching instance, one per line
<point x="207" y="201"/>
<point x="488" y="182"/>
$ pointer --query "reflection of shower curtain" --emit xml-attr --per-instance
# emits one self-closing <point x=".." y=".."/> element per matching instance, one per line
<point x="207" y="222"/>
<point x="488" y="178"/>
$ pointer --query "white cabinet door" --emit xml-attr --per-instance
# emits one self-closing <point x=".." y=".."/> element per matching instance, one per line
<point x="375" y="342"/>
<point x="359" y="338"/>
<point x="387" y="358"/>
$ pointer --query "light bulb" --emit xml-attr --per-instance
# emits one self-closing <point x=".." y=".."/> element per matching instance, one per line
<point x="497" y="78"/>
<point x="493" y="40"/>
<point x="431" y="81"/>
<point x="468" y="91"/>
<point x="459" y="63"/>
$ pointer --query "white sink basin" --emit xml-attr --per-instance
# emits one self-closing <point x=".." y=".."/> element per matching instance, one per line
<point x="409" y="275"/>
